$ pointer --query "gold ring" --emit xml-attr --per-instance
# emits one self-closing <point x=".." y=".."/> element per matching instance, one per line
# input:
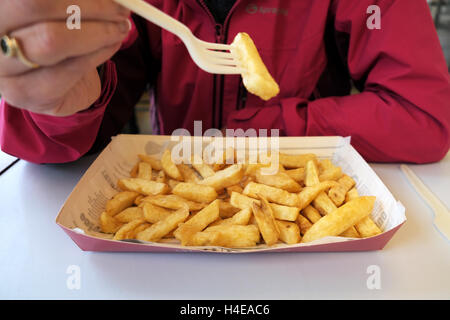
<point x="11" y="49"/>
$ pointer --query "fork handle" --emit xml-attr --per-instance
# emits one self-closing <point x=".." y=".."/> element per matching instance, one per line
<point x="156" y="16"/>
<point x="429" y="197"/>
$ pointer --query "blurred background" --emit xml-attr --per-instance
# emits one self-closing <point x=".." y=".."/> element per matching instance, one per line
<point x="140" y="123"/>
<point x="440" y="9"/>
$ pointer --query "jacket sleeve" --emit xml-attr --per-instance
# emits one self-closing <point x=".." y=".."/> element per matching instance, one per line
<point x="403" y="110"/>
<point x="47" y="139"/>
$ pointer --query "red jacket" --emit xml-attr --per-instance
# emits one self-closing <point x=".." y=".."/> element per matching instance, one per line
<point x="314" y="49"/>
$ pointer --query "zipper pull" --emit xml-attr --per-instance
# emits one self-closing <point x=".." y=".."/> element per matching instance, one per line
<point x="242" y="96"/>
<point x="219" y="34"/>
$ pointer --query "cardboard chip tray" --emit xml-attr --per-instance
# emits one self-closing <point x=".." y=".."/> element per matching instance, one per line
<point x="79" y="216"/>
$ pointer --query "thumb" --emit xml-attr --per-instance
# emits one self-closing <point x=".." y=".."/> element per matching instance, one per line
<point x="83" y="95"/>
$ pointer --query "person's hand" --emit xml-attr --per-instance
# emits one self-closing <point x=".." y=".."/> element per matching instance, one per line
<point x="66" y="80"/>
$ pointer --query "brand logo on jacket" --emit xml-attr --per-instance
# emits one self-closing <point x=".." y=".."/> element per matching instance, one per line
<point x="253" y="8"/>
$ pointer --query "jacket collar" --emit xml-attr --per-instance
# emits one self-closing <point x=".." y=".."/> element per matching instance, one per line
<point x="197" y="3"/>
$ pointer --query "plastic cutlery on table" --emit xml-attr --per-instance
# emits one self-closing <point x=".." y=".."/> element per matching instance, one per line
<point x="441" y="213"/>
<point x="211" y="57"/>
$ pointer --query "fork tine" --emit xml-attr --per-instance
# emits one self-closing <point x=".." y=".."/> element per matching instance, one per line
<point x="215" y="57"/>
<point x="215" y="65"/>
<point x="222" y="69"/>
<point x="215" y="46"/>
<point x="219" y="46"/>
<point x="221" y="54"/>
<point x="222" y="62"/>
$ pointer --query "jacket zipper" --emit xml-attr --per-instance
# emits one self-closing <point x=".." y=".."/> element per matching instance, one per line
<point x="216" y="84"/>
<point x="241" y="96"/>
<point x="218" y="31"/>
<point x="221" y="83"/>
<point x="219" y="80"/>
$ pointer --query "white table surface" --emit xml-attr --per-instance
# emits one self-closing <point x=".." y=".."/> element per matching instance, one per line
<point x="35" y="253"/>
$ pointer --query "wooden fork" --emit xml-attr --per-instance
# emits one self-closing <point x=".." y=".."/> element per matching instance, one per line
<point x="212" y="57"/>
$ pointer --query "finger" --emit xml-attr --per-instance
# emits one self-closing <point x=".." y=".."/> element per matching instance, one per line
<point x="42" y="90"/>
<point x="20" y="13"/>
<point x="50" y="43"/>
